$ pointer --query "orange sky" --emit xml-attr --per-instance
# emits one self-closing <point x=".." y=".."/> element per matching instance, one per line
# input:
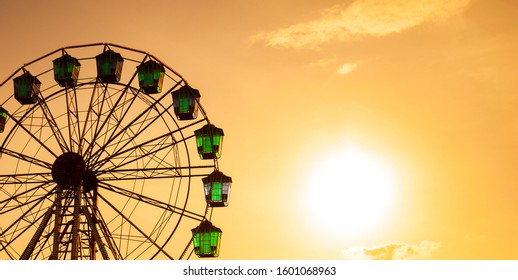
<point x="428" y="87"/>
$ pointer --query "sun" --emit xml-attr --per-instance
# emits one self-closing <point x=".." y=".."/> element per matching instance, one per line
<point x="349" y="192"/>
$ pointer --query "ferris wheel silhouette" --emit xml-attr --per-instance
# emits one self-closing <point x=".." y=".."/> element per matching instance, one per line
<point x="107" y="153"/>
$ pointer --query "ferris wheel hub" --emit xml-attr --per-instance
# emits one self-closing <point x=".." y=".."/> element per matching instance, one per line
<point x="68" y="170"/>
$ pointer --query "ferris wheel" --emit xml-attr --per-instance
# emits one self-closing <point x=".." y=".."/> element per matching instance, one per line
<point x="106" y="153"/>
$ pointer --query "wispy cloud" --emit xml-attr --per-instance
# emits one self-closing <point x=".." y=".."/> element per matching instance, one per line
<point x="328" y="64"/>
<point x="346" y="68"/>
<point x="393" y="251"/>
<point x="322" y="63"/>
<point x="361" y="18"/>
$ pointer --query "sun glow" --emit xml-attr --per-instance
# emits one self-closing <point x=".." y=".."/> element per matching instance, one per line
<point x="349" y="192"/>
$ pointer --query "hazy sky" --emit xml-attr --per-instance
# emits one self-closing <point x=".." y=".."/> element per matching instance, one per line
<point x="423" y="91"/>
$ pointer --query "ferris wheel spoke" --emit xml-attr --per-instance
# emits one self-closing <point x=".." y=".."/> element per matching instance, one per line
<point x="25" y="158"/>
<point x="56" y="130"/>
<point x="140" y="123"/>
<point x="44" y="246"/>
<point x="112" y="244"/>
<point x="113" y="108"/>
<point x="22" y="231"/>
<point x="107" y="161"/>
<point x="151" y="173"/>
<point x="95" y="233"/>
<point x="103" y="227"/>
<point x="139" y="174"/>
<point x="94" y="117"/>
<point x="128" y="151"/>
<point x="151" y="201"/>
<point x="17" y="199"/>
<point x="128" y="138"/>
<point x="117" y="134"/>
<point x="34" y="137"/>
<point x="150" y="156"/>
<point x="104" y="117"/>
<point x="148" y="238"/>
<point x="74" y="127"/>
<point x="5" y="248"/>
<point x="17" y="228"/>
<point x="29" y="178"/>
<point x="112" y="121"/>
<point x="90" y="118"/>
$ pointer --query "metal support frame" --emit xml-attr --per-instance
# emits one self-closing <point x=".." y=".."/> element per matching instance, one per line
<point x="35" y="238"/>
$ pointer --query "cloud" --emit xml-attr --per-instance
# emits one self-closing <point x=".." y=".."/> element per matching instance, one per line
<point x="361" y="18"/>
<point x="322" y="63"/>
<point x="330" y="63"/>
<point x="346" y="68"/>
<point x="392" y="251"/>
